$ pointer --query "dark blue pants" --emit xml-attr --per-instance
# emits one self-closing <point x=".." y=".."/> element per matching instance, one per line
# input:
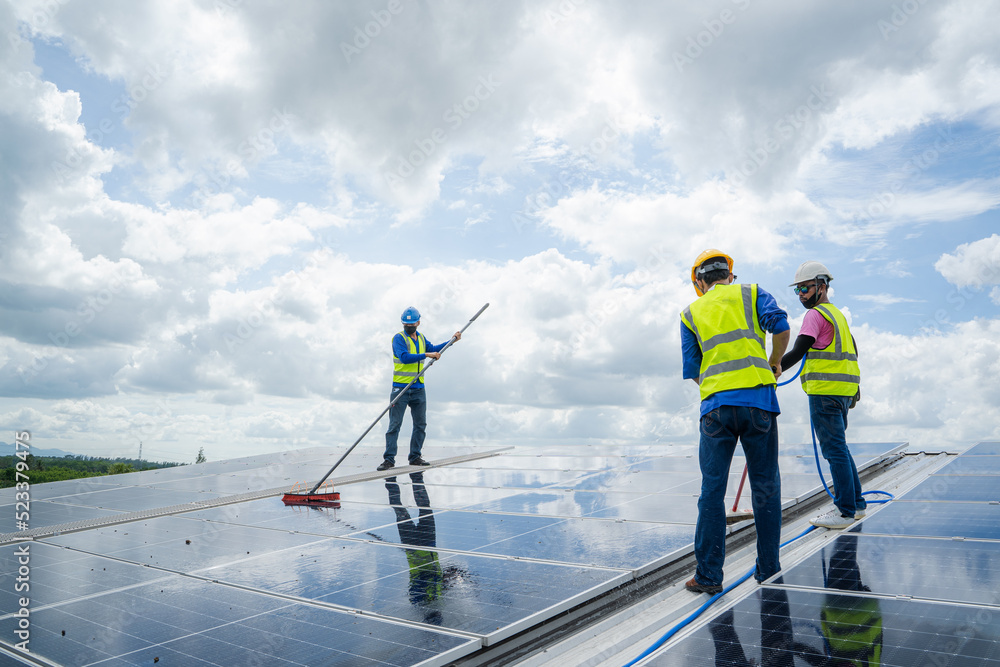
<point x="829" y="419"/>
<point x="757" y="430"/>
<point x="416" y="398"/>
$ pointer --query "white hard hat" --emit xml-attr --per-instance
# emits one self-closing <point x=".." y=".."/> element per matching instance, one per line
<point x="811" y="270"/>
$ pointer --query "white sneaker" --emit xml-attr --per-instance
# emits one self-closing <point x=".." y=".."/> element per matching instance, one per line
<point x="859" y="514"/>
<point x="832" y="519"/>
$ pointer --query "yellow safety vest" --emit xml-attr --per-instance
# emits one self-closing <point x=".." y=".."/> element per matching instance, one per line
<point x="854" y="634"/>
<point x="833" y="371"/>
<point x="724" y="321"/>
<point x="404" y="373"/>
<point x="426" y="576"/>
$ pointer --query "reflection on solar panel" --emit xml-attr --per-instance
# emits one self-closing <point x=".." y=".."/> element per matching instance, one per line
<point x="416" y="569"/>
<point x="794" y="627"/>
<point x="916" y="583"/>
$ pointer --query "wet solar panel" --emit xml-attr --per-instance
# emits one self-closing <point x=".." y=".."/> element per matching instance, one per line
<point x="931" y="569"/>
<point x="935" y="519"/>
<point x="792" y="627"/>
<point x="914" y="583"/>
<point x="417" y="569"/>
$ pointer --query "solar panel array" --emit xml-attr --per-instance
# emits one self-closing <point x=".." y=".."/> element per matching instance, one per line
<point x="416" y="569"/>
<point x="917" y="582"/>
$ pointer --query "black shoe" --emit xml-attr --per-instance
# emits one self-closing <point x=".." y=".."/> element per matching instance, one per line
<point x="385" y="465"/>
<point x="695" y="587"/>
<point x="419" y="462"/>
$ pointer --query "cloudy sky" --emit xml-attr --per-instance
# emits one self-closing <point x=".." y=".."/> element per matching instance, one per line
<point x="213" y="212"/>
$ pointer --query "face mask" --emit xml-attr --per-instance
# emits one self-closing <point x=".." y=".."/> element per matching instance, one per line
<point x="811" y="301"/>
<point x="409" y="329"/>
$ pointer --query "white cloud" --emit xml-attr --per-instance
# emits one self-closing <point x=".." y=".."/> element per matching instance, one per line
<point x="976" y="263"/>
<point x="884" y="300"/>
<point x="645" y="229"/>
<point x="235" y="255"/>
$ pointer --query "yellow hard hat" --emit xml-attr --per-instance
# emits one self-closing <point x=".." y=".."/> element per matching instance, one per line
<point x="708" y="254"/>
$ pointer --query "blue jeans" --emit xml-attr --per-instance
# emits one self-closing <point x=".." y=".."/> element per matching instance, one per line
<point x="416" y="398"/>
<point x="829" y="419"/>
<point x="757" y="430"/>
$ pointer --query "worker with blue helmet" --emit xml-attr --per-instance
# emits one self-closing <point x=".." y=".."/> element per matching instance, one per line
<point x="409" y="350"/>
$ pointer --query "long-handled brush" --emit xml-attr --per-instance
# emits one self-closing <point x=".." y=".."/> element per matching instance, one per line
<point x="735" y="515"/>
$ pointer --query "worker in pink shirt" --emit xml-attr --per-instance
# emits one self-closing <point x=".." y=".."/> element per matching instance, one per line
<point x="831" y="378"/>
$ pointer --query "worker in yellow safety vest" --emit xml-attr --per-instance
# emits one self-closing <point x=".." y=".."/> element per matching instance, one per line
<point x="409" y="350"/>
<point x="832" y="380"/>
<point x="722" y="341"/>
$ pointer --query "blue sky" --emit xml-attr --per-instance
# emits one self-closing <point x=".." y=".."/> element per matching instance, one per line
<point x="214" y="214"/>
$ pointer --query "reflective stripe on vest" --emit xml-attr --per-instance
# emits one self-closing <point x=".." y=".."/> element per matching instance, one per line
<point x="404" y="373"/>
<point x="724" y="321"/>
<point x="833" y="371"/>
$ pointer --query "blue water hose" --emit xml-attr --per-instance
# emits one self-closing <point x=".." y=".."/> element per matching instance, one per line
<point x="697" y="612"/>
<point x="782" y="384"/>
<point x="826" y="488"/>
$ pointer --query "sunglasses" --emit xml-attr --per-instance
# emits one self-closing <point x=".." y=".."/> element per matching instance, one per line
<point x="803" y="289"/>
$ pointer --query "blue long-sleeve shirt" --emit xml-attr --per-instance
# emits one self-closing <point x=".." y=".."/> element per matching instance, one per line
<point x="401" y="351"/>
<point x="772" y="319"/>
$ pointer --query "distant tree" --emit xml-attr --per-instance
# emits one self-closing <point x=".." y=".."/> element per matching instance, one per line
<point x="201" y="455"/>
<point x="119" y="468"/>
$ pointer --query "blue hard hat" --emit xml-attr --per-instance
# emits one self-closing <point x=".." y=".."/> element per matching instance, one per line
<point x="410" y="315"/>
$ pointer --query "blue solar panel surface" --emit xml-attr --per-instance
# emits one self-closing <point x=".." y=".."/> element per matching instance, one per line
<point x="917" y="582"/>
<point x="406" y="571"/>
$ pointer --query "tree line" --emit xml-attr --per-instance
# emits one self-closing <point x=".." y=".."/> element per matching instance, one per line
<point x="54" y="468"/>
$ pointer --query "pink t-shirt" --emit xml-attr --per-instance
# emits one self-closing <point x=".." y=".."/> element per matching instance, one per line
<point x="817" y="326"/>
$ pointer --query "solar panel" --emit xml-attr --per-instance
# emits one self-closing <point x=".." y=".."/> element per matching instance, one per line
<point x="46" y="513"/>
<point x="193" y="620"/>
<point x="972" y="465"/>
<point x="930" y="569"/>
<point x="890" y="591"/>
<point x="987" y="448"/>
<point x="957" y="487"/>
<point x="515" y="540"/>
<point x="778" y="627"/>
